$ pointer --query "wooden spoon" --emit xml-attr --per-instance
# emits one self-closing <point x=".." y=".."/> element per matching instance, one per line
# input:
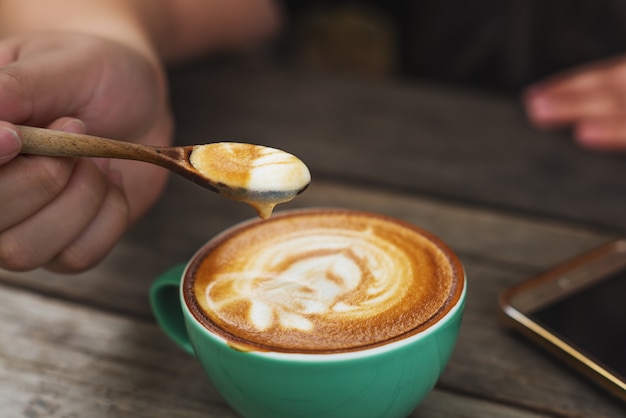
<point x="260" y="176"/>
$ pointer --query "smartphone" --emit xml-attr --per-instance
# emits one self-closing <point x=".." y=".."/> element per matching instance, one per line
<point x="577" y="310"/>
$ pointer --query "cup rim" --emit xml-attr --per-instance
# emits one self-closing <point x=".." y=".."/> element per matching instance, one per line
<point x="457" y="296"/>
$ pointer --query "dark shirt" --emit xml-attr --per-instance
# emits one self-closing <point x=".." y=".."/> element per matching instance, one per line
<point x="507" y="44"/>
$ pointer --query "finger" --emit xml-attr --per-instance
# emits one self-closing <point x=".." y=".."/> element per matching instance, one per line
<point x="36" y="87"/>
<point x="562" y="99"/>
<point x="578" y="82"/>
<point x="28" y="183"/>
<point x="40" y="237"/>
<point x="81" y="76"/>
<point x="10" y="143"/>
<point x="568" y="109"/>
<point x="608" y="133"/>
<point x="100" y="236"/>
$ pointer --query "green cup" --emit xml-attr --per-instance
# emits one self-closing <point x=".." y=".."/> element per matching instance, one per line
<point x="386" y="380"/>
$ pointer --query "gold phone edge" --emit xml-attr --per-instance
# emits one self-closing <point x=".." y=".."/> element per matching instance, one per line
<point x="556" y="346"/>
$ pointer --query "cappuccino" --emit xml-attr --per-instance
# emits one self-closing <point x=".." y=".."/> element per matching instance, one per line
<point x="322" y="281"/>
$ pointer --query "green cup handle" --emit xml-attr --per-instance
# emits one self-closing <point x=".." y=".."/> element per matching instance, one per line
<point x="165" y="303"/>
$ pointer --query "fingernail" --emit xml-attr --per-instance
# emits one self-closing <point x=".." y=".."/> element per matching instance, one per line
<point x="10" y="143"/>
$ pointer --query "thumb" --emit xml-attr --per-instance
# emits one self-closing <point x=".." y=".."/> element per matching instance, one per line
<point x="10" y="143"/>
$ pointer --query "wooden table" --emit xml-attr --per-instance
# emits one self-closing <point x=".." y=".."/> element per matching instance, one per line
<point x="511" y="201"/>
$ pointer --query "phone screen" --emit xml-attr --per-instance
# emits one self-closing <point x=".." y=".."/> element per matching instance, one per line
<point x="593" y="320"/>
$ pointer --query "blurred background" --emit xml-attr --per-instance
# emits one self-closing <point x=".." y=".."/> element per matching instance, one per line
<point x="493" y="44"/>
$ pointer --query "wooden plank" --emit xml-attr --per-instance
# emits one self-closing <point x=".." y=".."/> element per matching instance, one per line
<point x="441" y="404"/>
<point x="410" y="135"/>
<point x="63" y="360"/>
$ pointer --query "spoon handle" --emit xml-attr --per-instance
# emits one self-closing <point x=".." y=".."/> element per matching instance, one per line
<point x="39" y="141"/>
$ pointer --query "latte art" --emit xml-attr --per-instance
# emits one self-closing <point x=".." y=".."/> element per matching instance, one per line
<point x="307" y="273"/>
<point x="324" y="281"/>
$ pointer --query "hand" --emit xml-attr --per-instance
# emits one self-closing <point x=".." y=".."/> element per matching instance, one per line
<point x="591" y="100"/>
<point x="66" y="214"/>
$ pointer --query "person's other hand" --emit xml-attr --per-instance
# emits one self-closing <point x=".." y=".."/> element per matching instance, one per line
<point x="61" y="213"/>
<point x="590" y="100"/>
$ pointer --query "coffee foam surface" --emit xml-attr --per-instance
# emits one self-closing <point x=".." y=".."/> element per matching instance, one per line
<point x="323" y="282"/>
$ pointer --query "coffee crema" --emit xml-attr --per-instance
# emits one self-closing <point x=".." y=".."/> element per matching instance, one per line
<point x="322" y="281"/>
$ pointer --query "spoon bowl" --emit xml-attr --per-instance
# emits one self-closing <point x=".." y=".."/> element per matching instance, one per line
<point x="260" y="176"/>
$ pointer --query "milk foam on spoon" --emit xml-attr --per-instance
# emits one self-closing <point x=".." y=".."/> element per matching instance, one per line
<point x="260" y="176"/>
